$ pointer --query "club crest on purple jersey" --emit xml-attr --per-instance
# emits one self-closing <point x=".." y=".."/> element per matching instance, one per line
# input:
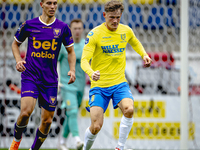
<point x="52" y="100"/>
<point x="56" y="31"/>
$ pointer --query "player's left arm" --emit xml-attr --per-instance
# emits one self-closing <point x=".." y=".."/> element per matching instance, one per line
<point x="137" y="46"/>
<point x="72" y="63"/>
<point x="147" y="61"/>
<point x="61" y="53"/>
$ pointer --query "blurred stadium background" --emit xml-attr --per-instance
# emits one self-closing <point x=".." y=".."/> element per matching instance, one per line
<point x="156" y="90"/>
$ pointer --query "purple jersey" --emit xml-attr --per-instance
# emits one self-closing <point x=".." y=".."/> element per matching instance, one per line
<point x="44" y="42"/>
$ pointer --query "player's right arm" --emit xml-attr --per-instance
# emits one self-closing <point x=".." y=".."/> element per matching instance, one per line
<point x="20" y="36"/>
<point x="16" y="52"/>
<point x="88" y="50"/>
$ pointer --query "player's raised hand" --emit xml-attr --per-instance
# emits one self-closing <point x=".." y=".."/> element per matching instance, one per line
<point x="96" y="76"/>
<point x="20" y="66"/>
<point x="147" y="61"/>
<point x="72" y="76"/>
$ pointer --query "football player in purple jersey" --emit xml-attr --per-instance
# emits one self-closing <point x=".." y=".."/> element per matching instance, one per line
<point x="39" y="70"/>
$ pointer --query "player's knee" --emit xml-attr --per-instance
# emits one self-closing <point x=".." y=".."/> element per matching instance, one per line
<point x="47" y="122"/>
<point x="128" y="111"/>
<point x="96" y="128"/>
<point x="25" y="115"/>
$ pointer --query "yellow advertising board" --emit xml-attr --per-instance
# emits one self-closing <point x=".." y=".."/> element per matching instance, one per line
<point x="155" y="130"/>
<point x="146" y="109"/>
<point x="142" y="109"/>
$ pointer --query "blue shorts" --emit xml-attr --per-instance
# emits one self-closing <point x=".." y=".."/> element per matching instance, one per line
<point x="47" y="96"/>
<point x="101" y="96"/>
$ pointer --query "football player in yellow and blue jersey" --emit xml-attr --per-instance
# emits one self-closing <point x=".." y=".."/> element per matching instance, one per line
<point x="39" y="79"/>
<point x="105" y="46"/>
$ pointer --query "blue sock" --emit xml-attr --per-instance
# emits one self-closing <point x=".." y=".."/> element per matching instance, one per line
<point x="18" y="130"/>
<point x="39" y="139"/>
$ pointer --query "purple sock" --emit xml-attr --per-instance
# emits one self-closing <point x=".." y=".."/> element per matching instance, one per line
<point x="18" y="130"/>
<point x="39" y="139"/>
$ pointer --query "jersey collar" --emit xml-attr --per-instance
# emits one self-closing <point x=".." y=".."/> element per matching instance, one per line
<point x="46" y="23"/>
<point x="104" y="26"/>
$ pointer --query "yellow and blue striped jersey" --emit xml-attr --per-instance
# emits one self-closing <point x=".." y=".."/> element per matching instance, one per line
<point x="107" y="49"/>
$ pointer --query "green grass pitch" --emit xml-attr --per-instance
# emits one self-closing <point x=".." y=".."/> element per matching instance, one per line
<point x="27" y="149"/>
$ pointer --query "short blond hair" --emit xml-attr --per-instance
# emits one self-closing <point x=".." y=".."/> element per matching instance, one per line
<point x="114" y="5"/>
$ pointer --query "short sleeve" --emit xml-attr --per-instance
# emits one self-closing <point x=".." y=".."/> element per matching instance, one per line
<point x="22" y="33"/>
<point x="67" y="37"/>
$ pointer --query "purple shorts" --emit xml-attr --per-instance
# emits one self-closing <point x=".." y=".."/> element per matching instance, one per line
<point x="47" y="96"/>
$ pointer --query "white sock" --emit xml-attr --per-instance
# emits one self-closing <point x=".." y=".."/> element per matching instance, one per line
<point x="89" y="139"/>
<point x="17" y="140"/>
<point x="77" y="139"/>
<point x="62" y="140"/>
<point x="124" y="129"/>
